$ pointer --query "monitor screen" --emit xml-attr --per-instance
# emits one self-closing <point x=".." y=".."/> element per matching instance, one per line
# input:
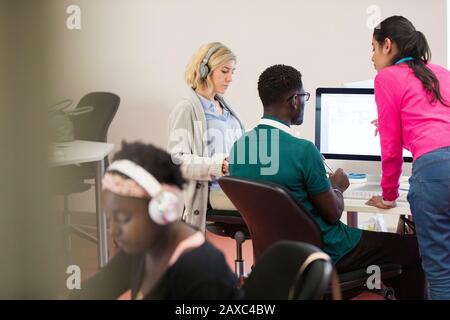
<point x="343" y="125"/>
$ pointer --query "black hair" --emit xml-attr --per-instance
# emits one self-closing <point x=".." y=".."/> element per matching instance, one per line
<point x="411" y="43"/>
<point x="156" y="161"/>
<point x="276" y="81"/>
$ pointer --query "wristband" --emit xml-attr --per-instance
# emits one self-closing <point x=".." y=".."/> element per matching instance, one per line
<point x="338" y="191"/>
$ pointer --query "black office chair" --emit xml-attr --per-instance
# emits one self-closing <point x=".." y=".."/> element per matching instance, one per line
<point x="272" y="214"/>
<point x="289" y="270"/>
<point x="228" y="223"/>
<point x="92" y="126"/>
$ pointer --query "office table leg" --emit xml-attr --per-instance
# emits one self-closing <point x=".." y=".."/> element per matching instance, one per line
<point x="402" y="226"/>
<point x="102" y="232"/>
<point x="352" y="219"/>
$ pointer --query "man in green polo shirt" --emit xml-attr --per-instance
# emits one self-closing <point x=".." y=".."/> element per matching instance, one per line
<point x="270" y="152"/>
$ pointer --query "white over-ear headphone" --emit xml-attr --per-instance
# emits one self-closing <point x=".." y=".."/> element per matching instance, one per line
<point x="164" y="207"/>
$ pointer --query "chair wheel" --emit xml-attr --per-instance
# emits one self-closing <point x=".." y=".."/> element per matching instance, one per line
<point x="388" y="293"/>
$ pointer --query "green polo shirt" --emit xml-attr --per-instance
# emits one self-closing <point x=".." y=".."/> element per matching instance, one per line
<point x="272" y="154"/>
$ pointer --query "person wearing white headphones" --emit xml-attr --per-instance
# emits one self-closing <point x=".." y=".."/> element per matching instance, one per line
<point x="203" y="127"/>
<point x="159" y="257"/>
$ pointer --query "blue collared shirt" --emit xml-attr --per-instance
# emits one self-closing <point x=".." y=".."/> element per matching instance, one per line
<point x="222" y="129"/>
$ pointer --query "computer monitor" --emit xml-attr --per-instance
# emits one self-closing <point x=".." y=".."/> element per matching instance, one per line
<point x="343" y="125"/>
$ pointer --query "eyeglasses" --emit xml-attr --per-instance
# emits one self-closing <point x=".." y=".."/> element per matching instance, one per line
<point x="306" y="96"/>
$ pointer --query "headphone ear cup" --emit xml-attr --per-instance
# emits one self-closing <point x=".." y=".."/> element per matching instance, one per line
<point x="163" y="208"/>
<point x="155" y="214"/>
<point x="204" y="70"/>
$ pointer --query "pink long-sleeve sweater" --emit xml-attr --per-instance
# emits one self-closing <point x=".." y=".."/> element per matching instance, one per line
<point x="407" y="118"/>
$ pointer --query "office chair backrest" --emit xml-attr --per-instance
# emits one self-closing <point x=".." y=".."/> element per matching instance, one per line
<point x="289" y="270"/>
<point x="271" y="213"/>
<point x="93" y="126"/>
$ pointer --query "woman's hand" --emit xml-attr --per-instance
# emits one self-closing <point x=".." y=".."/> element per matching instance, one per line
<point x="377" y="201"/>
<point x="225" y="167"/>
<point x="375" y="123"/>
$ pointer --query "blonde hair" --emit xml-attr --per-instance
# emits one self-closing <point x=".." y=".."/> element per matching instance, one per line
<point x="220" y="57"/>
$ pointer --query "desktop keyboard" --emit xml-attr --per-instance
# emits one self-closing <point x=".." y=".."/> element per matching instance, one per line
<point x="367" y="194"/>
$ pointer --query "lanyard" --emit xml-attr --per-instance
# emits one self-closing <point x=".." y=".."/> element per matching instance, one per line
<point x="404" y="60"/>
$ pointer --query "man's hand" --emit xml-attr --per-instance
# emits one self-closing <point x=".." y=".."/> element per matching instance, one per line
<point x="377" y="201"/>
<point x="225" y="167"/>
<point x="339" y="180"/>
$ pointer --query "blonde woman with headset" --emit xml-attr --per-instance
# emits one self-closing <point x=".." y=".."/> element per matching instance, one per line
<point x="203" y="127"/>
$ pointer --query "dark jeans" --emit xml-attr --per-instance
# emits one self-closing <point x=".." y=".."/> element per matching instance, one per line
<point x="376" y="248"/>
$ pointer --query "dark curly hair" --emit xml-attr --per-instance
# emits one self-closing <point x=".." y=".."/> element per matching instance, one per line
<point x="155" y="160"/>
<point x="276" y="81"/>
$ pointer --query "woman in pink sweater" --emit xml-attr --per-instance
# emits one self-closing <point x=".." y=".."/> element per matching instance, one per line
<point x="412" y="97"/>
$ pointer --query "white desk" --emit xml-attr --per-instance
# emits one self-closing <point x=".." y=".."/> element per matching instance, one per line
<point x="353" y="206"/>
<point x="76" y="152"/>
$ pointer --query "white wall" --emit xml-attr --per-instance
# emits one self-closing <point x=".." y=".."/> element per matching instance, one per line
<point x="139" y="49"/>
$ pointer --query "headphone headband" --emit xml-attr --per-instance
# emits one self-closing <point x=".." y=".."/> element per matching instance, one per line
<point x="210" y="52"/>
<point x="138" y="174"/>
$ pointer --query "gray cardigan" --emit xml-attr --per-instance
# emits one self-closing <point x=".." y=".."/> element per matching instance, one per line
<point x="188" y="147"/>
